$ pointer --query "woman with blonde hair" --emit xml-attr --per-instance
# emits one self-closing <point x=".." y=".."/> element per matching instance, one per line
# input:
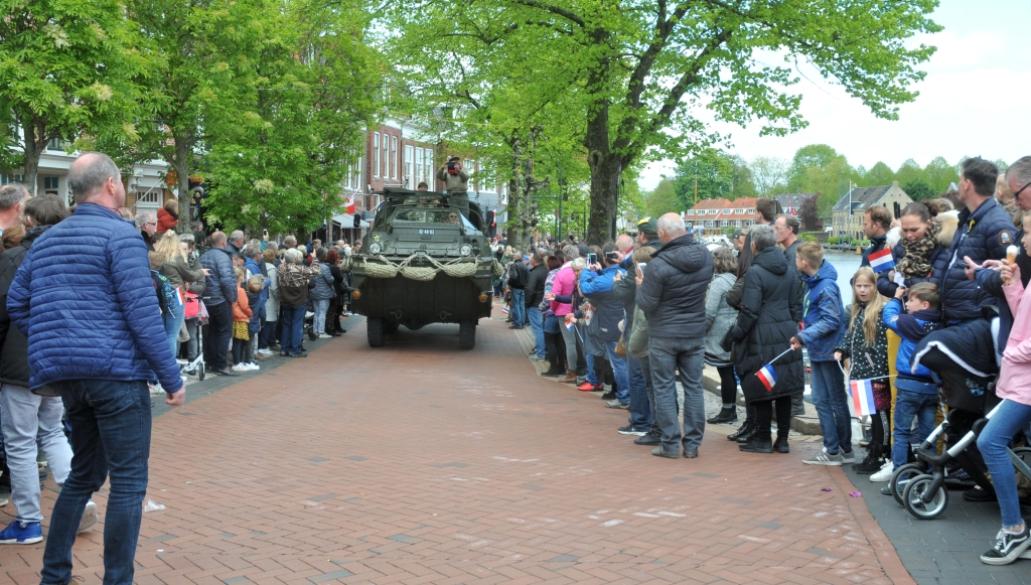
<point x="168" y="259"/>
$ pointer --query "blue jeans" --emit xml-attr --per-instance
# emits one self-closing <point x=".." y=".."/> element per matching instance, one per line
<point x="910" y="405"/>
<point x="519" y="307"/>
<point x="173" y="322"/>
<point x="321" y="308"/>
<point x="640" y="400"/>
<point x="667" y="357"/>
<point x="620" y="372"/>
<point x="993" y="442"/>
<point x="588" y="349"/>
<point x="110" y="436"/>
<point x="536" y="319"/>
<point x="292" y="321"/>
<point x="831" y="407"/>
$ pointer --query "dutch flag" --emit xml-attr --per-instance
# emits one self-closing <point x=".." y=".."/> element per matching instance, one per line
<point x="882" y="261"/>
<point x="861" y="394"/>
<point x="767" y="376"/>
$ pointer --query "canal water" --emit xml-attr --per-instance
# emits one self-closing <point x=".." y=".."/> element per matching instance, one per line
<point x="846" y="264"/>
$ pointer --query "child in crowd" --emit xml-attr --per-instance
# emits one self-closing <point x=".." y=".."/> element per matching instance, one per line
<point x="865" y="349"/>
<point x="241" y="325"/>
<point x="255" y="286"/>
<point x="917" y="393"/>
<point x="823" y="326"/>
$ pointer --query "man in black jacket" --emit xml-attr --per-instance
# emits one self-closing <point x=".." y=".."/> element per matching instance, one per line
<point x="671" y="293"/>
<point x="517" y="276"/>
<point x="534" y="295"/>
<point x="219" y="296"/>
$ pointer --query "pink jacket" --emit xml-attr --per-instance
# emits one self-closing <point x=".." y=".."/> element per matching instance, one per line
<point x="563" y="286"/>
<point x="1015" y="376"/>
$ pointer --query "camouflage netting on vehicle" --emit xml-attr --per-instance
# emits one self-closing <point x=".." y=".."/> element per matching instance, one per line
<point x="382" y="267"/>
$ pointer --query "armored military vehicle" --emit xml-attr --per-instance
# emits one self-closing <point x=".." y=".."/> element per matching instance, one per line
<point x="424" y="261"/>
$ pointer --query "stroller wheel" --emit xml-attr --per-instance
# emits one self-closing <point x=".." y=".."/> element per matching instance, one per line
<point x="201" y="372"/>
<point x="901" y="478"/>
<point x="916" y="493"/>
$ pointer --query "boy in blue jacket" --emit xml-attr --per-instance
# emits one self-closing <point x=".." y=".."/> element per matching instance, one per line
<point x="917" y="393"/>
<point x="822" y="330"/>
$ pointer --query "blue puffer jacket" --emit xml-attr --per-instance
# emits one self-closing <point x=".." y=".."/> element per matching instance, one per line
<point x="220" y="284"/>
<point x="824" y="321"/>
<point x="911" y="328"/>
<point x="982" y="235"/>
<point x="85" y="299"/>
<point x="608" y="309"/>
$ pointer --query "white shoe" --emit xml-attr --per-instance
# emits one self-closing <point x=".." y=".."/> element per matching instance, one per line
<point x="89" y="517"/>
<point x="324" y="336"/>
<point x="252" y="366"/>
<point x="241" y="368"/>
<point x="265" y="352"/>
<point x="884" y="474"/>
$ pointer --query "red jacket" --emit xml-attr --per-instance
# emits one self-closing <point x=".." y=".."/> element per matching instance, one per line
<point x="166" y="221"/>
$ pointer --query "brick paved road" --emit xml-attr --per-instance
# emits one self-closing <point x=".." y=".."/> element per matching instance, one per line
<point x="422" y="464"/>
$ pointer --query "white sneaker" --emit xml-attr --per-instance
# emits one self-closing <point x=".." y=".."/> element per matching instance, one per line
<point x="252" y="366"/>
<point x="89" y="517"/>
<point x="884" y="474"/>
<point x="265" y="353"/>
<point x="324" y="336"/>
<point x="241" y="368"/>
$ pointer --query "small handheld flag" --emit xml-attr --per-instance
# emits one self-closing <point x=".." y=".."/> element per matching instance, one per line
<point x="767" y="376"/>
<point x="861" y="394"/>
<point x="882" y="260"/>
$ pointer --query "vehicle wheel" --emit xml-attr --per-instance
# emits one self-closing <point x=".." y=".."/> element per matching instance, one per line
<point x="374" y="327"/>
<point x="467" y="334"/>
<point x="201" y="372"/>
<point x="390" y="326"/>
<point x="914" y="498"/>
<point x="901" y="478"/>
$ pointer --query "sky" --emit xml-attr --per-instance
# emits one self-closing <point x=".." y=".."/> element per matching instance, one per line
<point x="974" y="101"/>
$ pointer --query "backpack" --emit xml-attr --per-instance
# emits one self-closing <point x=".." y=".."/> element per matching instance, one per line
<point x="166" y="293"/>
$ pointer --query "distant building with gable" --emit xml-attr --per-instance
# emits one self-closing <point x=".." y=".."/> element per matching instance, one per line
<point x="847" y="215"/>
<point x="717" y="214"/>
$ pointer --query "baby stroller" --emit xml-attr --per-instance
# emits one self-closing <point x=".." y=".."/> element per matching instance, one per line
<point x="967" y="380"/>
<point x="193" y="308"/>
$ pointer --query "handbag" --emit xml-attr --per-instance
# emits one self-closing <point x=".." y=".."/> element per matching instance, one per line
<point x="191" y="305"/>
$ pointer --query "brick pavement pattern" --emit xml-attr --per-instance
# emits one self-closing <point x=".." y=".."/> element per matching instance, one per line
<point x="419" y="463"/>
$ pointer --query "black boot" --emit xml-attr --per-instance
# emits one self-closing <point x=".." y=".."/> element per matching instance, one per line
<point x="781" y="445"/>
<point x="745" y="430"/>
<point x="872" y="463"/>
<point x="727" y="414"/>
<point x="757" y="444"/>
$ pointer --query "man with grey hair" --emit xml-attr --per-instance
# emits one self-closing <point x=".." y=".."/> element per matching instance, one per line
<point x="671" y="293"/>
<point x="12" y="199"/>
<point x="219" y="296"/>
<point x="147" y="221"/>
<point x="237" y="239"/>
<point x="94" y="263"/>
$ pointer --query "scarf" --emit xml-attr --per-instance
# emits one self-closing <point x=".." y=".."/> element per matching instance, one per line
<point x="916" y="262"/>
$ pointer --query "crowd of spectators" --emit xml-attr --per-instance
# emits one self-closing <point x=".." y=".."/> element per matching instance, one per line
<point x="635" y="316"/>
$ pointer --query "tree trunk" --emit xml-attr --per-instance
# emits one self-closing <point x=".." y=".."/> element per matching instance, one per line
<point x="182" y="175"/>
<point x="33" y="151"/>
<point x="605" y="173"/>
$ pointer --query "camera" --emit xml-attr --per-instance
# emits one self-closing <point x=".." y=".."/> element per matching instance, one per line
<point x="452" y="167"/>
<point x="612" y="256"/>
<point x="592" y="259"/>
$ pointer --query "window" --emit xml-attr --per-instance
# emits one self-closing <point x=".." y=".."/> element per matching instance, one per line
<point x="409" y="178"/>
<point x="393" y="157"/>
<point x="384" y="150"/>
<point x="427" y="167"/>
<point x="417" y="175"/>
<point x="5" y="179"/>
<point x="51" y="183"/>
<point x="375" y="154"/>
<point x="55" y="144"/>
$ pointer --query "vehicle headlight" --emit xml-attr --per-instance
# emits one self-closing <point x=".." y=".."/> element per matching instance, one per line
<point x="375" y="248"/>
<point x="465" y="250"/>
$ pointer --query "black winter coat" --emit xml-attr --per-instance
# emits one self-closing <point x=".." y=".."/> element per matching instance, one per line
<point x="14" y="357"/>
<point x="672" y="295"/>
<point x="769" y="314"/>
<point x="535" y="285"/>
<point x="982" y="235"/>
